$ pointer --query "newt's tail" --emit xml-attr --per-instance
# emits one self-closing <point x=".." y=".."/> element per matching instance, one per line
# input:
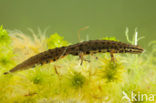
<point x="41" y="58"/>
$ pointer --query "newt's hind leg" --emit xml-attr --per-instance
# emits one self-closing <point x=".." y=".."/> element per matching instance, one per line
<point x="81" y="56"/>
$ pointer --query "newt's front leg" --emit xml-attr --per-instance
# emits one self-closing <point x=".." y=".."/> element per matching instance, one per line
<point x="112" y="56"/>
<point x="81" y="55"/>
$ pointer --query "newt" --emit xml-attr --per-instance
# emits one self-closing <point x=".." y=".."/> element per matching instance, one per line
<point x="79" y="49"/>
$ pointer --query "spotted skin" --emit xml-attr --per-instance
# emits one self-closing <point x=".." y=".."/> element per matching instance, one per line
<point x="79" y="49"/>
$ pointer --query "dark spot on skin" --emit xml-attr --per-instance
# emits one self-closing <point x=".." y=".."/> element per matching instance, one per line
<point x="33" y="66"/>
<point x="47" y="61"/>
<point x="104" y="47"/>
<point x="63" y="47"/>
<point x="103" y="42"/>
<point x="94" y="52"/>
<point x="96" y="43"/>
<point x="64" y="54"/>
<point x="49" y="56"/>
<point x="108" y="42"/>
<point x="120" y="46"/>
<point x="112" y="46"/>
<point x="87" y="52"/>
<point x="56" y="53"/>
<point x="88" y="47"/>
<point x="41" y="63"/>
<point x="117" y="48"/>
<point x="126" y="51"/>
<point x="50" y="51"/>
<point x="130" y="50"/>
<point x="80" y="49"/>
<point x="81" y="45"/>
<point x="133" y="48"/>
<point x="121" y="51"/>
<point x="101" y="47"/>
<point x="76" y="53"/>
<point x="46" y="56"/>
<point x="99" y="50"/>
<point x="113" y="42"/>
<point x="60" y="50"/>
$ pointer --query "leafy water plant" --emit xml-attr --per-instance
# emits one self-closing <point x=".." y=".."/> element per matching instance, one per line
<point x="111" y="71"/>
<point x="6" y="50"/>
<point x="56" y="41"/>
<point x="4" y="37"/>
<point x="99" y="80"/>
<point x="77" y="80"/>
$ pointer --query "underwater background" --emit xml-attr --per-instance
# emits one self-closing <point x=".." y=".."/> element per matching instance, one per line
<point x="30" y="27"/>
<point x="103" y="17"/>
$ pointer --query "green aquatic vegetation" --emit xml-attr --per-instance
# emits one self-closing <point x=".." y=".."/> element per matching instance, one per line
<point x="135" y="38"/>
<point x="110" y="38"/>
<point x="77" y="80"/>
<point x="6" y="50"/>
<point x="111" y="71"/>
<point x="56" y="41"/>
<point x="4" y="37"/>
<point x="65" y="80"/>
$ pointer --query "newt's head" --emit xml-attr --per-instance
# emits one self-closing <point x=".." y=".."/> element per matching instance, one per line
<point x="135" y="49"/>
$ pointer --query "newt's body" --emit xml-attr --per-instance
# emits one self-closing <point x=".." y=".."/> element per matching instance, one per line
<point x="79" y="49"/>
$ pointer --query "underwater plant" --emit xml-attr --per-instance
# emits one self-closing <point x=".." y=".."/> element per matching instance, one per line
<point x="6" y="50"/>
<point x="97" y="81"/>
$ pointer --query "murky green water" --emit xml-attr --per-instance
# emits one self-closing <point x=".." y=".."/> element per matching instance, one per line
<point x="104" y="17"/>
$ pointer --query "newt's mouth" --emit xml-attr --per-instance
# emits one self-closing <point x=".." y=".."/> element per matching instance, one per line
<point x="137" y="50"/>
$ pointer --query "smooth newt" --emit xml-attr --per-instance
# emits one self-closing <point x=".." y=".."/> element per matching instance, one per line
<point x="79" y="49"/>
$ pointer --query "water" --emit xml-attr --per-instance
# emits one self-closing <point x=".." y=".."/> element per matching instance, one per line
<point x="104" y="17"/>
